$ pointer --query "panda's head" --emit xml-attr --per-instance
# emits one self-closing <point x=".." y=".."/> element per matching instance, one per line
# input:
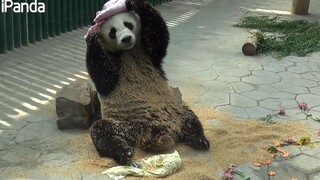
<point x="121" y="31"/>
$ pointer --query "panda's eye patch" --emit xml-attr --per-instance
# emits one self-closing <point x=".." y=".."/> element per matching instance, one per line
<point x="112" y="33"/>
<point x="128" y="25"/>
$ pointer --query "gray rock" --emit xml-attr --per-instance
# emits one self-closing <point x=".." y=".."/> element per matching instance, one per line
<point x="77" y="105"/>
<point x="175" y="91"/>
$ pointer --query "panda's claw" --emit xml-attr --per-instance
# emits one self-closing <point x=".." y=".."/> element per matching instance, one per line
<point x="126" y="156"/>
<point x="136" y="164"/>
<point x="204" y="144"/>
<point x="200" y="143"/>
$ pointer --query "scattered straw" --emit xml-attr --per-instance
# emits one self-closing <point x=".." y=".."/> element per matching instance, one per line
<point x="240" y="141"/>
<point x="232" y="141"/>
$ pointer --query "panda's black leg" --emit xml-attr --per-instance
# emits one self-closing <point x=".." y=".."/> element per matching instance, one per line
<point x="114" y="139"/>
<point x="192" y="131"/>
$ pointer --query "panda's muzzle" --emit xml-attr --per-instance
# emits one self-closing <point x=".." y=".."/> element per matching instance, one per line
<point x="126" y="39"/>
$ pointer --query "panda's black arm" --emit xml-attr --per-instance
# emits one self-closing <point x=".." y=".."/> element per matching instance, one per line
<point x="102" y="66"/>
<point x="155" y="33"/>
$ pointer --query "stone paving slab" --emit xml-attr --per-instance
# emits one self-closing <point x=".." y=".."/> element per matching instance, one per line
<point x="204" y="60"/>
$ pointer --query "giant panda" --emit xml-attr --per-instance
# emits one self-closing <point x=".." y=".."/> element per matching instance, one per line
<point x="138" y="110"/>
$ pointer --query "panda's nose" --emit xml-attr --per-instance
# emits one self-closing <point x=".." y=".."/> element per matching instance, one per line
<point x="126" y="39"/>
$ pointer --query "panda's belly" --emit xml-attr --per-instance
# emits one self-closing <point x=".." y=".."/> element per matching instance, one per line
<point x="141" y="92"/>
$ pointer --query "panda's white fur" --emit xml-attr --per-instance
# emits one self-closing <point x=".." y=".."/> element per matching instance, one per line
<point x="117" y="22"/>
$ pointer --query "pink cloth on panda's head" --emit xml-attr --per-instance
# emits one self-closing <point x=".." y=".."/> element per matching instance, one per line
<point x="109" y="9"/>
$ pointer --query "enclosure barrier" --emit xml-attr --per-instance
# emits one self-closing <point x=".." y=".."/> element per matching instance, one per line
<point x="60" y="16"/>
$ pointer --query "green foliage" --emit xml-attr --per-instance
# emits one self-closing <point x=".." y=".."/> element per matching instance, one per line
<point x="299" y="37"/>
<point x="268" y="118"/>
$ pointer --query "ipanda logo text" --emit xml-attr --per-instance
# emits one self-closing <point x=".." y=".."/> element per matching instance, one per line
<point x="20" y="7"/>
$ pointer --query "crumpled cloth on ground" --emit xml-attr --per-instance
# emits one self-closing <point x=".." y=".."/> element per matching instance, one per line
<point x="109" y="9"/>
<point x="155" y="166"/>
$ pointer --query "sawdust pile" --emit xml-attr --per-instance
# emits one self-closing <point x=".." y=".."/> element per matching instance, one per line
<point x="232" y="141"/>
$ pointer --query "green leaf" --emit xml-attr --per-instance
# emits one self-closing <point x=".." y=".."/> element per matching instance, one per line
<point x="272" y="149"/>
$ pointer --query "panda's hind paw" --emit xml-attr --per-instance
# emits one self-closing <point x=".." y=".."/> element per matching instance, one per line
<point x="201" y="143"/>
<point x="125" y="157"/>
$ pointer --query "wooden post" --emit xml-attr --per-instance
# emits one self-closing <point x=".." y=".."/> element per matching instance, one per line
<point x="3" y="41"/>
<point x="9" y="30"/>
<point x="17" y="30"/>
<point x="24" y="27"/>
<point x="101" y="3"/>
<point x="38" y="17"/>
<point x="80" y="14"/>
<point x="75" y="15"/>
<point x="300" y="7"/>
<point x="86" y="15"/>
<point x="69" y="15"/>
<point x="31" y="27"/>
<point x="92" y="13"/>
<point x="64" y="16"/>
<point x="51" y="18"/>
<point x="45" y="21"/>
<point x="57" y="16"/>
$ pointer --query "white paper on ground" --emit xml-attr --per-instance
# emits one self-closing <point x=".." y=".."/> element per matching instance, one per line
<point x="155" y="166"/>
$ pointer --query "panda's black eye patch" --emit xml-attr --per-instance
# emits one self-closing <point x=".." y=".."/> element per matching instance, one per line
<point x="112" y="33"/>
<point x="128" y="25"/>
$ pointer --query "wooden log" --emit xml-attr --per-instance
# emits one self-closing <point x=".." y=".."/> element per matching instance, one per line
<point x="300" y="7"/>
<point x="250" y="46"/>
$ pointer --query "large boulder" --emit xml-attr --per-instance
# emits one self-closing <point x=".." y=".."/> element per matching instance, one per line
<point x="77" y="105"/>
<point x="176" y="93"/>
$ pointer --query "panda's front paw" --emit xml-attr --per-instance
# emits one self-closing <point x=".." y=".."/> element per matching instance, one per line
<point x="125" y="157"/>
<point x="135" y="4"/>
<point x="129" y="5"/>
<point x="93" y="38"/>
